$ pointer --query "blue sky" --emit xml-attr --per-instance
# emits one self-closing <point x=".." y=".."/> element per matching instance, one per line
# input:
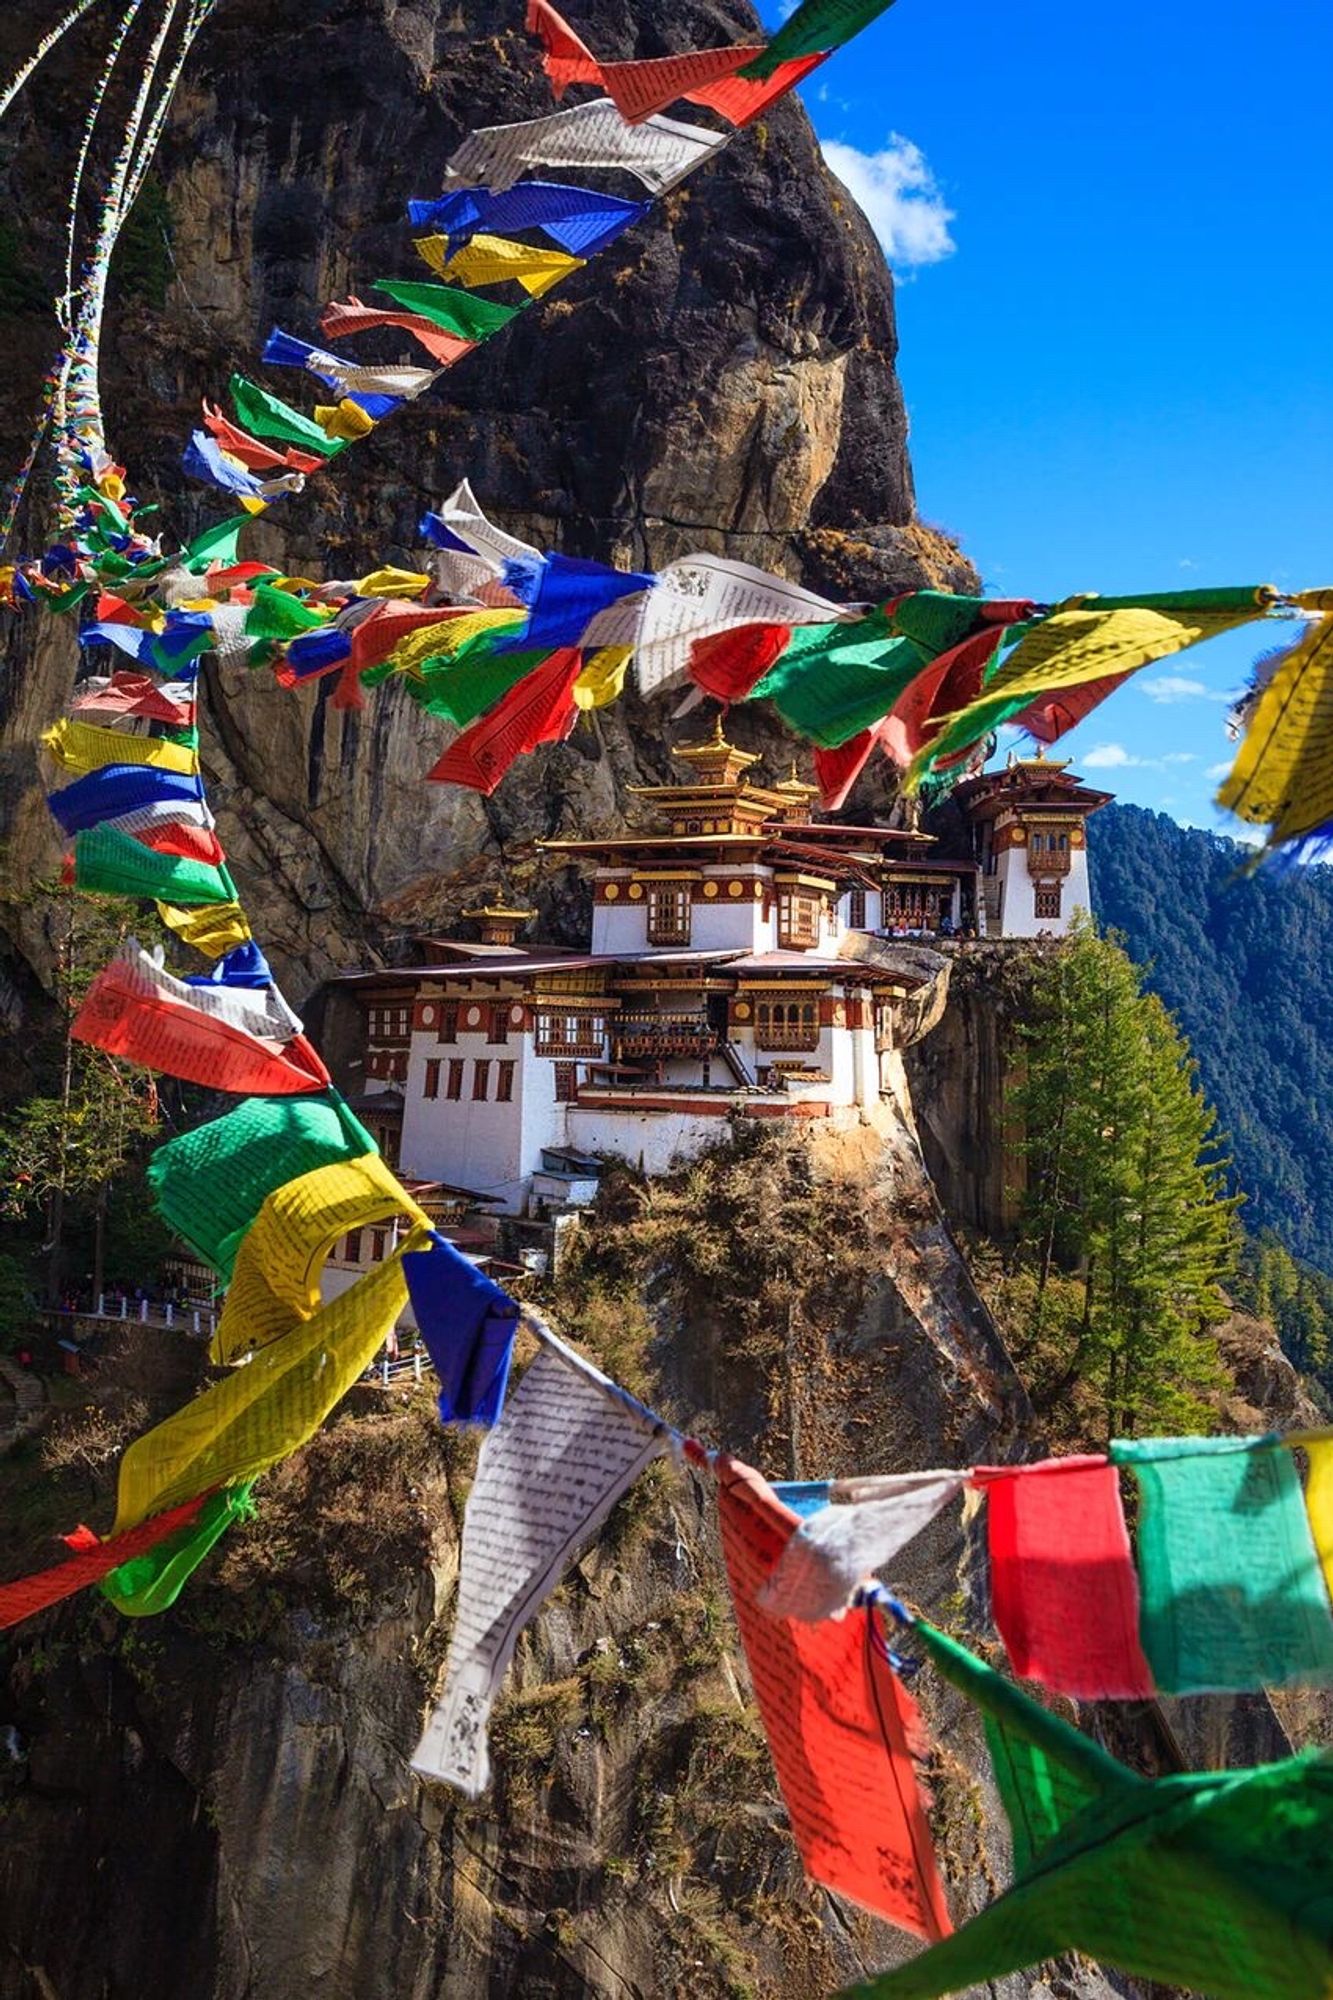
<point x="1113" y="233"/>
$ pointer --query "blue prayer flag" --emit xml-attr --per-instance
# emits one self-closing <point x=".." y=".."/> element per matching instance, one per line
<point x="120" y="788"/>
<point x="468" y="1324"/>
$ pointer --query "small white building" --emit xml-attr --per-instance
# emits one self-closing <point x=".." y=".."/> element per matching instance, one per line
<point x="1029" y="826"/>
<point x="740" y="966"/>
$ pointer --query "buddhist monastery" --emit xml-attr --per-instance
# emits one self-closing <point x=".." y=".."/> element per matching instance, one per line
<point x="1028" y="824"/>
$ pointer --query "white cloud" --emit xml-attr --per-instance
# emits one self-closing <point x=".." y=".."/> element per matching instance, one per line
<point x="1221" y="770"/>
<point x="1168" y="688"/>
<point x="1115" y="757"/>
<point x="899" y="196"/>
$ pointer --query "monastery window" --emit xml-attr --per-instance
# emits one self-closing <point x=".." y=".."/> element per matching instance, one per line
<point x="566" y="1083"/>
<point x="570" y="1034"/>
<point x="481" y="1081"/>
<point x="454" y="1088"/>
<point x="504" y="1083"/>
<point x="448" y="1029"/>
<point x="352" y="1247"/>
<point x="694" y="826"/>
<point x="432" y="1084"/>
<point x="398" y="1068"/>
<point x="378" y="1239"/>
<point x="669" y="913"/>
<point x="914" y="906"/>
<point x="386" y="1137"/>
<point x="1046" y="902"/>
<point x="787" y="1024"/>
<point x="389" y="1024"/>
<point x="798" y="921"/>
<point x="856" y="909"/>
<point x="497" y="1015"/>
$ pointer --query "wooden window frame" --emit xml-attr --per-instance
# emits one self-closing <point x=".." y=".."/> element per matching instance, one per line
<point x="431" y="1085"/>
<point x="504" y="1082"/>
<point x="481" y="1079"/>
<point x="566" y="1083"/>
<point x="791" y="1025"/>
<point x="1046" y="900"/>
<point x="670" y="912"/>
<point x="497" y="1023"/>
<point x="448" y="1028"/>
<point x="453" y="1089"/>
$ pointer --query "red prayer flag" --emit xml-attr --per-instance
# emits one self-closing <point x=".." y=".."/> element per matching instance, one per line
<point x="192" y="843"/>
<point x="841" y="1726"/>
<point x="113" y="610"/>
<point x="375" y="637"/>
<point x="1064" y="1594"/>
<point x="254" y="455"/>
<point x="351" y="316"/>
<point x="838" y="770"/>
<point x="138" y="695"/>
<point x="538" y="709"/>
<point x="567" y="59"/>
<point x="728" y="664"/>
<point x="31" y="1594"/>
<point x="1054" y="715"/>
<point x="125" y="1016"/>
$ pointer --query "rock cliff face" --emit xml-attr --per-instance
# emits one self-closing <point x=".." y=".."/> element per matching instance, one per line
<point x="722" y="378"/>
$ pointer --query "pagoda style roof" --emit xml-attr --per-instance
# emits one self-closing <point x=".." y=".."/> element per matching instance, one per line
<point x="1030" y="782"/>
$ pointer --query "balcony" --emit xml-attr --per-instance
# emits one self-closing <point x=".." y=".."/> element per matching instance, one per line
<point x="664" y="1035"/>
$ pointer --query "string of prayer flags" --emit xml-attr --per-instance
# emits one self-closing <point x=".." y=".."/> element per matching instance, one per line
<point x="283" y="350"/>
<point x="659" y="152"/>
<point x="108" y="862"/>
<point x="263" y="1412"/>
<point x="1215" y="1882"/>
<point x="276" y="1281"/>
<point x="1283" y="774"/>
<point x="457" y="311"/>
<point x="340" y="319"/>
<point x="468" y="1324"/>
<point x="136" y="1010"/>
<point x="269" y="417"/>
<point x="842" y="1728"/>
<point x="1232" y="1592"/>
<point x="152" y="1582"/>
<point x="92" y="1560"/>
<point x="1063" y="1591"/>
<point x="577" y="219"/>
<point x="863" y="1526"/>
<point x="496" y="260"/>
<point x="701" y="76"/>
<point x="702" y="594"/>
<point x="567" y="1445"/>
<point x="210" y="1183"/>
<point x="116" y="791"/>
<point x="539" y="709"/>
<point x="256" y="457"/>
<point x="816" y="26"/>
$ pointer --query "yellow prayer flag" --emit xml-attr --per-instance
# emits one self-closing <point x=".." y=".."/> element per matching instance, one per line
<point x="1283" y="774"/>
<point x="392" y="582"/>
<point x="443" y="641"/>
<point x="490" y="260"/>
<point x="266" y="1410"/>
<point x="1319" y="1502"/>
<point x="80" y="747"/>
<point x="603" y="678"/>
<point x="343" y="420"/>
<point x="213" y="929"/>
<point x="1071" y="647"/>
<point x="276" y="1282"/>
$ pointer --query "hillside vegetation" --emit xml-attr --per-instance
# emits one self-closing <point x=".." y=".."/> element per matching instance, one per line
<point x="1244" y="965"/>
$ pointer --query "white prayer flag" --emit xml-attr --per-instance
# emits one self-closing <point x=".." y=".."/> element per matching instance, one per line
<point x="566" y="1447"/>
<point x="659" y="152"/>
<point x="350" y="380"/>
<point x="163" y="812"/>
<point x="260" y="1011"/>
<point x="702" y="594"/>
<point x="834" y="1551"/>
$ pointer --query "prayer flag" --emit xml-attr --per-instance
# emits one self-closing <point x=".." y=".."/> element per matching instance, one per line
<point x="276" y="1282"/>
<point x="136" y="1010"/>
<point x="211" y="1182"/>
<point x="353" y="317"/>
<point x="271" y="417"/>
<point x="816" y="25"/>
<point x="579" y="220"/>
<point x="841" y="1726"/>
<point x="1063" y="1590"/>
<point x="540" y="709"/>
<point x="263" y="1412"/>
<point x="93" y="1561"/>
<point x="118" y="791"/>
<point x="568" y="596"/>
<point x="81" y="747"/>
<point x="456" y="311"/>
<point x="703" y="594"/>
<point x="1283" y="774"/>
<point x="346" y="420"/>
<point x="659" y="152"/>
<point x="471" y="681"/>
<point x="252" y="454"/>
<point x="1319" y="1502"/>
<point x="727" y="664"/>
<point x="866" y="1523"/>
<point x="211" y="931"/>
<point x="218" y="544"/>
<point x="135" y="695"/>
<point x="192" y="843"/>
<point x="1232" y="1592"/>
<point x="108" y="862"/>
<point x="461" y="518"/>
<point x="283" y="350"/>
<point x="602" y="680"/>
<point x="836" y="771"/>
<point x="804" y="1496"/>
<point x="833" y="681"/>
<point x="493" y="260"/>
<point x="566" y="1447"/>
<point x="468" y="1324"/>
<point x="152" y="1582"/>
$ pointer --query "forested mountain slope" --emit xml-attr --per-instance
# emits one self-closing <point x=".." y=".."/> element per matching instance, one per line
<point x="1245" y="965"/>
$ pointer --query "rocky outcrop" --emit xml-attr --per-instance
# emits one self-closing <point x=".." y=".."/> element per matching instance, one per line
<point x="722" y="378"/>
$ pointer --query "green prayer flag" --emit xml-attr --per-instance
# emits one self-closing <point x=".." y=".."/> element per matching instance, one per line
<point x="816" y="25"/>
<point x="151" y="1582"/>
<point x="464" y="313"/>
<point x="108" y="862"/>
<point x="211" y="1182"/>
<point x="1232" y="1594"/>
<point x="466" y="687"/>
<point x="935" y="620"/>
<point x="277" y="614"/>
<point x="832" y="681"/>
<point x="268" y="416"/>
<point x="68" y="599"/>
<point x="1232" y="597"/>
<point x="1216" y="1882"/>
<point x="218" y="544"/>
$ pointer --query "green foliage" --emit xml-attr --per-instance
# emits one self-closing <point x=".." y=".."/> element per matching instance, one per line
<point x="21" y="287"/>
<point x="1245" y="967"/>
<point x="17" y="1299"/>
<point x="1270" y="1283"/>
<point x="143" y="266"/>
<point x="1124" y="1189"/>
